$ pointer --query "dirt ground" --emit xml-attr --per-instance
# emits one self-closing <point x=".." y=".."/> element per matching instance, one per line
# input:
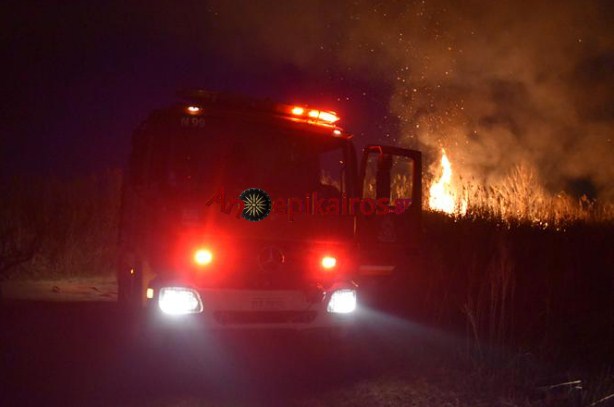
<point x="67" y="343"/>
<point x="98" y="288"/>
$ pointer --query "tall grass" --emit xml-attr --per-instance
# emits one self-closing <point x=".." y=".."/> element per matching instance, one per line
<point x="521" y="287"/>
<point x="72" y="222"/>
<point x="522" y="266"/>
<point x="520" y="198"/>
<point x="21" y="224"/>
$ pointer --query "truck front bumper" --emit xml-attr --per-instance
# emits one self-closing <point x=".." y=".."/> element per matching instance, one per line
<point x="182" y="308"/>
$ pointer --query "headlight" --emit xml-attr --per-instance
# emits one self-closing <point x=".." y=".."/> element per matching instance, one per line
<point x="342" y="301"/>
<point x="179" y="301"/>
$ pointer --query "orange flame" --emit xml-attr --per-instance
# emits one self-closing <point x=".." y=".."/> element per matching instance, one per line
<point x="443" y="195"/>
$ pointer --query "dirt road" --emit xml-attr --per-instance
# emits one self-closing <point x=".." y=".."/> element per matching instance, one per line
<point x="86" y="353"/>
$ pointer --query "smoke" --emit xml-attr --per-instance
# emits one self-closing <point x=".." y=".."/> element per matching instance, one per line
<point x="498" y="84"/>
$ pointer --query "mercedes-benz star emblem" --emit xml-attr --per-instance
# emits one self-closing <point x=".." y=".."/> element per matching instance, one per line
<point x="257" y="204"/>
<point x="271" y="258"/>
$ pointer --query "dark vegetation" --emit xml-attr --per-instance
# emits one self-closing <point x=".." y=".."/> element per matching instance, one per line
<point x="522" y="287"/>
<point x="58" y="228"/>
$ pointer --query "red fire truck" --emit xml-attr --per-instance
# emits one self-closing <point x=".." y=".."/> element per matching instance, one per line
<point x="244" y="213"/>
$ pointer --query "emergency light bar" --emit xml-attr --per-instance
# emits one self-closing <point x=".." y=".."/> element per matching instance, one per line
<point x="197" y="97"/>
<point x="315" y="115"/>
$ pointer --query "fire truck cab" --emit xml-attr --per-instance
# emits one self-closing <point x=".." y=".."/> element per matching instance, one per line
<point x="243" y="213"/>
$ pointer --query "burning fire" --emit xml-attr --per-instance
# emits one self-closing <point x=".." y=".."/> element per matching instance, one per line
<point x="519" y="196"/>
<point x="443" y="195"/>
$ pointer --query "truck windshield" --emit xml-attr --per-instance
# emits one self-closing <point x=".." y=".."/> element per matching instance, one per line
<point x="235" y="156"/>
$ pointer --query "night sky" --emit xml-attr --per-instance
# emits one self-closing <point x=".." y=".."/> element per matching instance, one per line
<point x="496" y="83"/>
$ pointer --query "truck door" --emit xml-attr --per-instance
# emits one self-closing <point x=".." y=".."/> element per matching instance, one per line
<point x="388" y="238"/>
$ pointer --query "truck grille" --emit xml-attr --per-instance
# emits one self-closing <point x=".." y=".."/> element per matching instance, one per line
<point x="264" y="317"/>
